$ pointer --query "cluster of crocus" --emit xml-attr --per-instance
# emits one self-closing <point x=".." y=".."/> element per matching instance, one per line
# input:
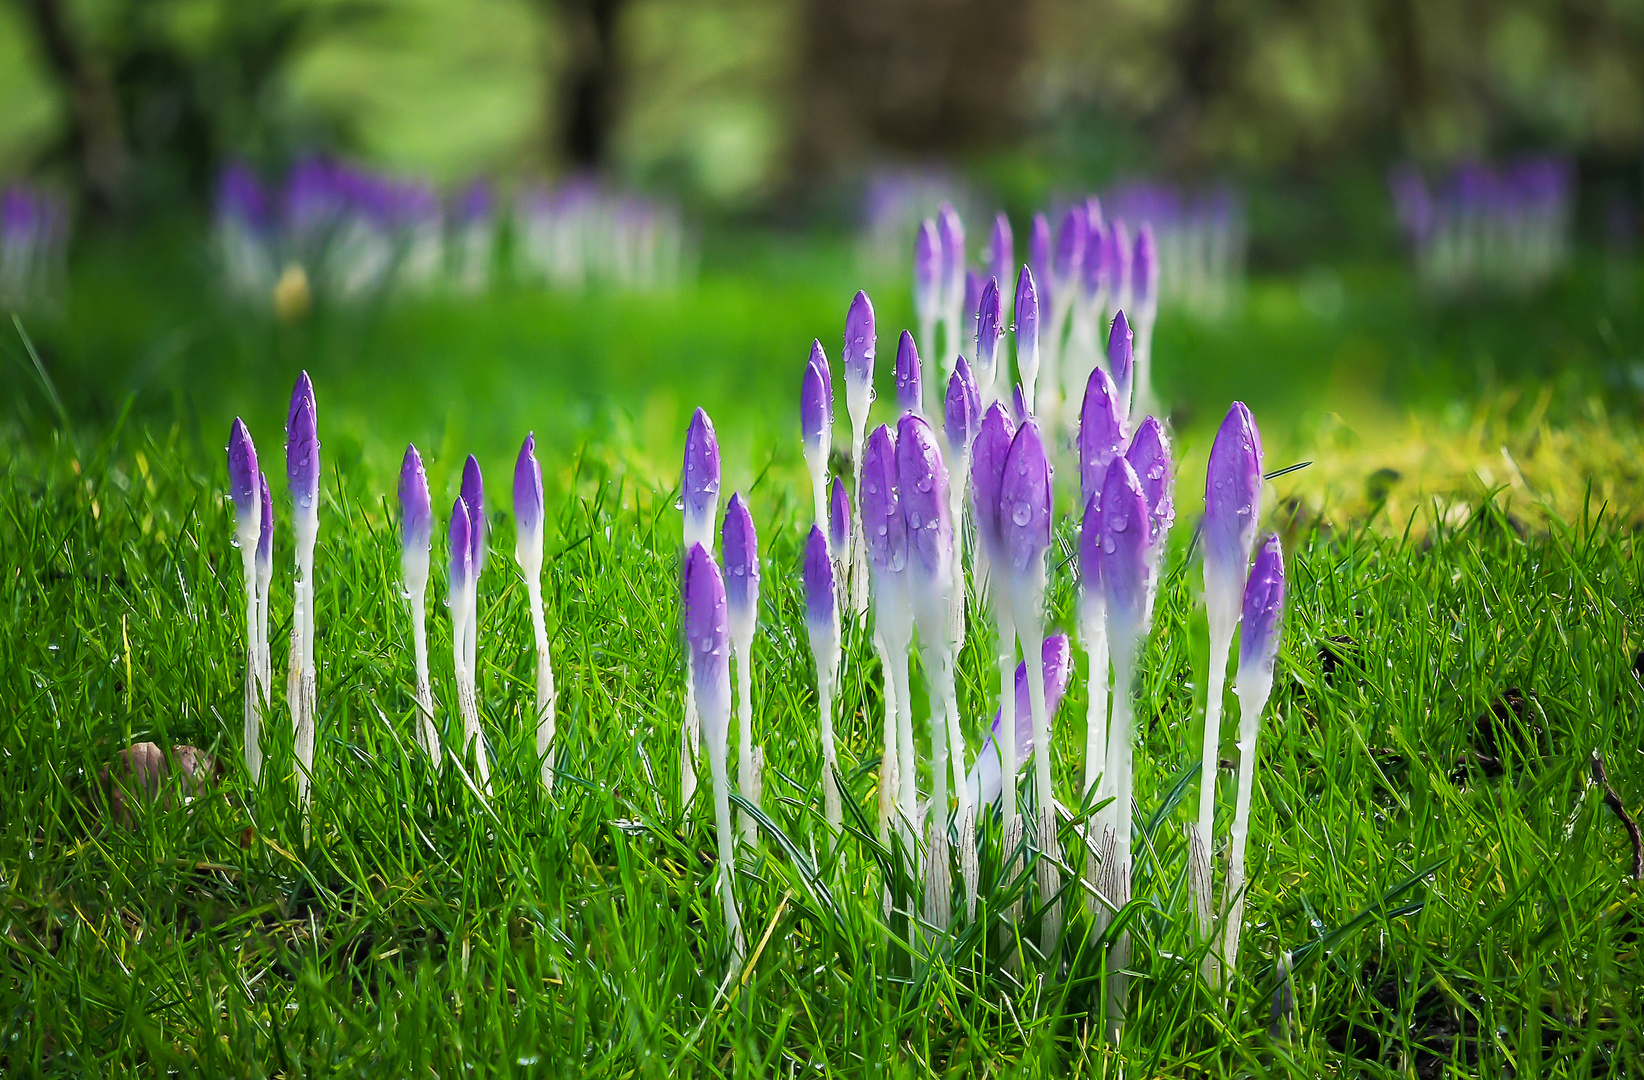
<point x="1201" y="238"/>
<point x="33" y="246"/>
<point x="580" y="236"/>
<point x="1506" y="228"/>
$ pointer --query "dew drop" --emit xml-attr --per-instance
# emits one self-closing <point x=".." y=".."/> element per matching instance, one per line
<point x="1023" y="513"/>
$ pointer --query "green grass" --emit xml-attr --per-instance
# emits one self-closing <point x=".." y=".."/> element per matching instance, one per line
<point x="1436" y="914"/>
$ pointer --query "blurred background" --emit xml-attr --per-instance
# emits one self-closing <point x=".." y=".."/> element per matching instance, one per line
<point x="1409" y="228"/>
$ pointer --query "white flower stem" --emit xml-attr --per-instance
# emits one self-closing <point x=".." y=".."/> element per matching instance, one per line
<point x="253" y="668"/>
<point x="887" y="763"/>
<point x="1253" y="688"/>
<point x="727" y="855"/>
<point x="859" y="547"/>
<point x="1118" y="815"/>
<point x="969" y="869"/>
<point x="546" y="700"/>
<point x="428" y="736"/>
<point x="1093" y="625"/>
<point x="1221" y="640"/>
<point x="1049" y="877"/>
<point x="938" y="877"/>
<point x="467" y="694"/>
<point x="747" y="780"/>
<point x="833" y="810"/>
<point x="300" y="683"/>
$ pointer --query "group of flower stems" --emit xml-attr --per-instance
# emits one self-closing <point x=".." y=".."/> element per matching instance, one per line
<point x="900" y="546"/>
<point x="254" y="535"/>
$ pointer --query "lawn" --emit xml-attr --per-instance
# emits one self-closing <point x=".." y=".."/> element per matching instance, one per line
<point x="1428" y="845"/>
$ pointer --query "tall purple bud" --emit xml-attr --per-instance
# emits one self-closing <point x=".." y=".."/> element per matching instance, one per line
<point x="1127" y="563"/>
<point x="951" y="232"/>
<point x="460" y="552"/>
<point x="860" y="346"/>
<point x="1095" y="272"/>
<point x="1144" y="270"/>
<point x="302" y="450"/>
<point x="1121" y="345"/>
<point x="1232" y="509"/>
<point x="1024" y="501"/>
<point x="1101" y="434"/>
<point x="923" y="485"/>
<point x="416" y="519"/>
<point x="1001" y="254"/>
<point x="987" y="474"/>
<point x="1118" y="260"/>
<point x="701" y="481"/>
<point x="961" y="413"/>
<point x="813" y="408"/>
<point x="1263" y="612"/>
<point x="839" y="516"/>
<point x="528" y="508"/>
<point x="971" y="311"/>
<point x="707" y="638"/>
<point x="243" y="488"/>
<point x="1149" y="455"/>
<point x="909" y="392"/>
<point x="741" y="566"/>
<point x="927" y="273"/>
<point x="882" y="523"/>
<point x="820" y="607"/>
<point x="473" y="497"/>
<point x="265" y="535"/>
<point x="989" y="329"/>
<point x="1067" y="258"/>
<point x="1027" y="327"/>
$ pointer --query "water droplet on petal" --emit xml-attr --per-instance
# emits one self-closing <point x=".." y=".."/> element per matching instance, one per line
<point x="1023" y="513"/>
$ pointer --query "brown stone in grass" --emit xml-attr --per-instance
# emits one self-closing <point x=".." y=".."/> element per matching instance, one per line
<point x="142" y="772"/>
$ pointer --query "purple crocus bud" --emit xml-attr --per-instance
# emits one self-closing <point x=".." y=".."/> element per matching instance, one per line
<point x="473" y="497"/>
<point x="1232" y="507"/>
<point x="701" y="481"/>
<point x="416" y="513"/>
<point x="839" y="517"/>
<point x="1144" y="269"/>
<point x="1027" y="313"/>
<point x="1068" y="256"/>
<point x="1263" y="610"/>
<point x="1001" y="254"/>
<point x="908" y="384"/>
<point x="819" y="360"/>
<point x="923" y="485"/>
<point x="860" y="340"/>
<point x="707" y="644"/>
<point x="819" y="583"/>
<point x="242" y="485"/>
<point x="962" y="411"/>
<point x="1090" y="547"/>
<point x="528" y="508"/>
<point x="265" y="535"/>
<point x="1118" y="259"/>
<point x="1126" y="563"/>
<point x="1095" y="273"/>
<point x="987" y="474"/>
<point x="741" y="565"/>
<point x="1101" y="433"/>
<point x="951" y="232"/>
<point x="1018" y="404"/>
<point x="927" y="273"/>
<point x="972" y="308"/>
<point x="461" y="548"/>
<point x="1121" y="346"/>
<point x="989" y="328"/>
<point x="813" y="408"/>
<point x="1024" y="500"/>
<point x="302" y="449"/>
<point x="882" y="526"/>
<point x="985" y="777"/>
<point x="1039" y="258"/>
<point x="1149" y="455"/>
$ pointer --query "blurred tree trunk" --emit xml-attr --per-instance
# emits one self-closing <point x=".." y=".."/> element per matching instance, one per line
<point x="907" y="76"/>
<point x="590" y="84"/>
<point x="96" y="133"/>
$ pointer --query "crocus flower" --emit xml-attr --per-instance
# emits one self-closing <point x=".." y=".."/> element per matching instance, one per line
<point x="972" y="311"/>
<point x="860" y="341"/>
<point x="989" y="329"/>
<point x="302" y="466"/>
<point x="461" y="585"/>
<point x="1263" y="615"/>
<point x="839" y="536"/>
<point x="1149" y="455"/>
<point x="909" y="396"/>
<point x="1120" y="353"/>
<point x="707" y="641"/>
<point x="962" y="416"/>
<point x="1025" y="516"/>
<point x="928" y="282"/>
<point x="473" y="497"/>
<point x="265" y="575"/>
<point x="1066" y="263"/>
<point x="885" y="532"/>
<point x="245" y="492"/>
<point x="951" y="232"/>
<point x="416" y="539"/>
<point x="1127" y="570"/>
<point x="1001" y="257"/>
<point x="1232" y="508"/>
<point x="528" y="522"/>
<point x="923" y="480"/>
<point x="1102" y="434"/>
<point x="701" y="481"/>
<point x="985" y="779"/>
<point x="816" y="425"/>
<point x="1027" y="332"/>
<point x="741" y="548"/>
<point x="1118" y="262"/>
<point x="822" y="622"/>
<point x="987" y="473"/>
